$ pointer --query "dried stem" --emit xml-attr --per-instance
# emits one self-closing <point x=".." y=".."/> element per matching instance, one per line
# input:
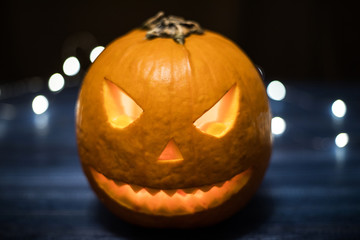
<point x="173" y="27"/>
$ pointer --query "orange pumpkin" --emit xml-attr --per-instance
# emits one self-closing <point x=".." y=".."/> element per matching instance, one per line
<point x="173" y="133"/>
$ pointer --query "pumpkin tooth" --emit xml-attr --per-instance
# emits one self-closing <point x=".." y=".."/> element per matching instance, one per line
<point x="189" y="190"/>
<point x="198" y="192"/>
<point x="220" y="184"/>
<point x="170" y="192"/>
<point x="135" y="188"/>
<point x="152" y="191"/>
<point x="119" y="183"/>
<point x="206" y="188"/>
<point x="181" y="192"/>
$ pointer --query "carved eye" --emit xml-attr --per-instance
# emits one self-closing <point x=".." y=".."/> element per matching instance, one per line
<point x="219" y="119"/>
<point x="120" y="108"/>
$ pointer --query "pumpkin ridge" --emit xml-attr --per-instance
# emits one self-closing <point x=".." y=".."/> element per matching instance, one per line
<point x="126" y="57"/>
<point x="231" y="44"/>
<point x="171" y="89"/>
<point x="190" y="78"/>
<point x="203" y="51"/>
<point x="211" y="48"/>
<point x="200" y="53"/>
<point x="146" y="89"/>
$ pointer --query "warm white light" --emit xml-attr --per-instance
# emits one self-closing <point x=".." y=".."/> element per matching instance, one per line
<point x="276" y="90"/>
<point x="278" y="125"/>
<point x="96" y="52"/>
<point x="40" y="104"/>
<point x="338" y="108"/>
<point x="71" y="66"/>
<point x="342" y="140"/>
<point x="56" y="82"/>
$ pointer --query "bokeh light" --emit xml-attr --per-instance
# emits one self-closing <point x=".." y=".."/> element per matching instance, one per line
<point x="276" y="90"/>
<point x="56" y="82"/>
<point x="96" y="52"/>
<point x="40" y="104"/>
<point x="71" y="66"/>
<point x="342" y="140"/>
<point x="278" y="125"/>
<point x="338" y="108"/>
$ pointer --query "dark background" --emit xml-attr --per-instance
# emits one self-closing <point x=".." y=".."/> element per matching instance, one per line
<point x="311" y="189"/>
<point x="291" y="40"/>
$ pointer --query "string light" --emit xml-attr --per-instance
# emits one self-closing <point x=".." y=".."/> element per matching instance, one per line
<point x="96" y="52"/>
<point x="56" y="82"/>
<point x="276" y="90"/>
<point x="71" y="66"/>
<point x="341" y="140"/>
<point x="338" y="108"/>
<point x="278" y="125"/>
<point x="40" y="104"/>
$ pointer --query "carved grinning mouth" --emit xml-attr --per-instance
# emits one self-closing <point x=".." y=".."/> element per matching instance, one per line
<point x="172" y="201"/>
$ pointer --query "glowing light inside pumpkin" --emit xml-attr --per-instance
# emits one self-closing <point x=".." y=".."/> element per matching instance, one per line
<point x="96" y="52"/>
<point x="276" y="90"/>
<point x="120" y="108"/>
<point x="341" y="140"/>
<point x="56" y="82"/>
<point x="219" y="119"/>
<point x="278" y="125"/>
<point x="338" y="108"/>
<point x="40" y="104"/>
<point x="174" y="201"/>
<point x="171" y="153"/>
<point x="71" y="66"/>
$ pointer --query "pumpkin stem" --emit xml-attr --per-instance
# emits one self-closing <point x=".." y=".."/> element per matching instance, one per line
<point x="173" y="27"/>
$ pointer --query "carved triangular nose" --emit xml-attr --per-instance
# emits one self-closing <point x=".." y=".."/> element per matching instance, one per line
<point x="171" y="153"/>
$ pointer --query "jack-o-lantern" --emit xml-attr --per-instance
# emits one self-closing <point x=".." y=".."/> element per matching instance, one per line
<point x="173" y="133"/>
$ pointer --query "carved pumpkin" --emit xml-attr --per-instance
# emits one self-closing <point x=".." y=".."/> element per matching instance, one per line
<point x="173" y="133"/>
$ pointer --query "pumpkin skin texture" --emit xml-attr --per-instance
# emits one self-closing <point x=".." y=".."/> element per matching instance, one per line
<point x="160" y="164"/>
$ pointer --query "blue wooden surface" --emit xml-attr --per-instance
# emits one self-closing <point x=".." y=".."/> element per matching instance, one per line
<point x="311" y="189"/>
